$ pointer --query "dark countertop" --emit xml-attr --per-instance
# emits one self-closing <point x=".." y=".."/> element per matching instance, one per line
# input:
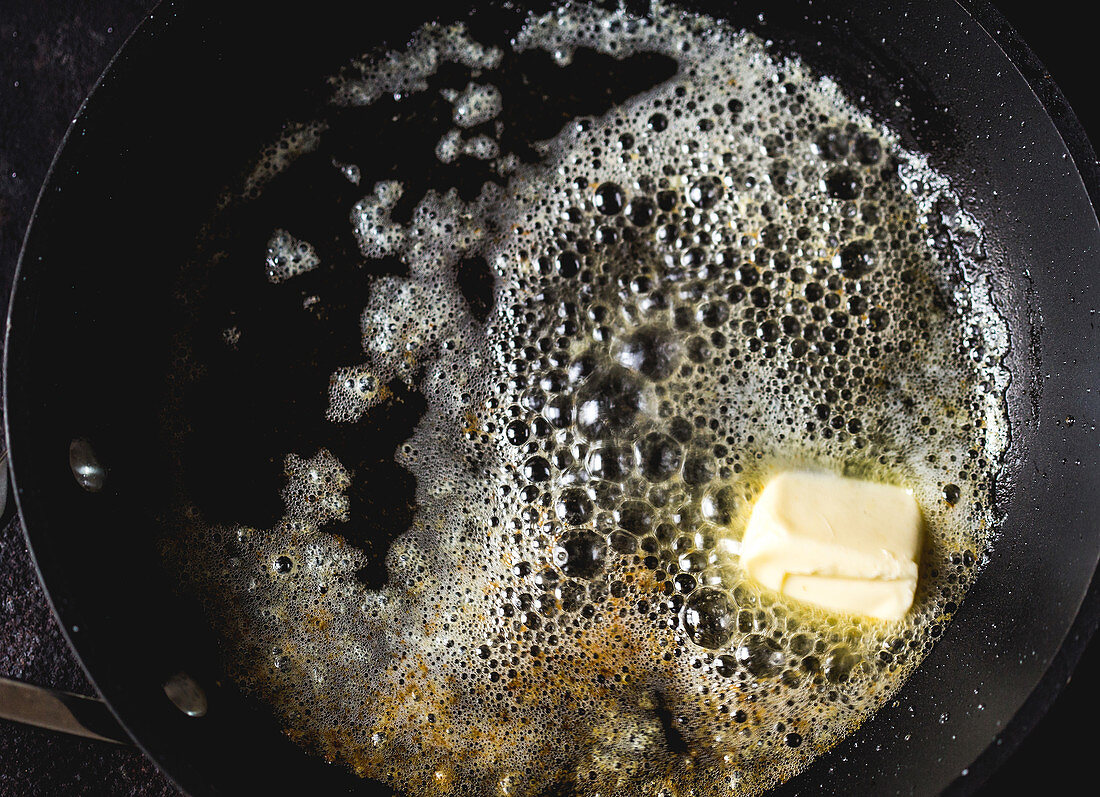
<point x="50" y="56"/>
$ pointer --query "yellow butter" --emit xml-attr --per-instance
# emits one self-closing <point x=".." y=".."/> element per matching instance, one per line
<point x="842" y="544"/>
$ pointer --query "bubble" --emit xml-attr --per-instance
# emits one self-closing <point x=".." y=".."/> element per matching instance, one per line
<point x="842" y="183"/>
<point x="537" y="469"/>
<point x="801" y="644"/>
<point x="622" y="542"/>
<point x="517" y="433"/>
<point x="582" y="367"/>
<point x="713" y="314"/>
<point x="533" y="399"/>
<point x="699" y="467"/>
<point x="607" y="235"/>
<point x="839" y="664"/>
<point x="784" y="177"/>
<point x="573" y="506"/>
<point x="609" y="403"/>
<point x="559" y="411"/>
<point x="706" y="191"/>
<point x="747" y="274"/>
<point x="685" y="583"/>
<point x="856" y="259"/>
<point x="659" y="456"/>
<point x="571" y="593"/>
<point x="568" y="264"/>
<point x="641" y="211"/>
<point x="650" y="351"/>
<point x="878" y="319"/>
<point x="635" y="516"/>
<point x="773" y="145"/>
<point x="580" y="554"/>
<point x="553" y="381"/>
<point x="832" y="144"/>
<point x="719" y="505"/>
<point x="761" y="297"/>
<point x="868" y="149"/>
<point x="609" y="199"/>
<point x="698" y="350"/>
<point x="694" y="257"/>
<point x="610" y="461"/>
<point x="760" y="656"/>
<point x="693" y="562"/>
<point x="667" y="200"/>
<point x="709" y="618"/>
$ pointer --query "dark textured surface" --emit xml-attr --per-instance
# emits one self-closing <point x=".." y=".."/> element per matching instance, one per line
<point x="33" y="650"/>
<point x="50" y="56"/>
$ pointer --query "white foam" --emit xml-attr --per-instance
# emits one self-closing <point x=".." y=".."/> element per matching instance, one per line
<point x="483" y="666"/>
<point x="288" y="256"/>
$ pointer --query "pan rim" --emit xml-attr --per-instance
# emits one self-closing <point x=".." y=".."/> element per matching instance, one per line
<point x="68" y="630"/>
<point x="1086" y="624"/>
<point x="1074" y="137"/>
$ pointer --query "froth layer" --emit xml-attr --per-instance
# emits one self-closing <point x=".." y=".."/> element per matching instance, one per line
<point x="729" y="274"/>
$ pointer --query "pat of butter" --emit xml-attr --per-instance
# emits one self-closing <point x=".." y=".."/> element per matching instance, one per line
<point x="841" y="544"/>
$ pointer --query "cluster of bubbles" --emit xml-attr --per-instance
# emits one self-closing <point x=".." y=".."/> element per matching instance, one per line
<point x="296" y="140"/>
<point x="730" y="275"/>
<point x="288" y="256"/>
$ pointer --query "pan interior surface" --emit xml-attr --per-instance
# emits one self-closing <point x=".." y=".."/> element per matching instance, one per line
<point x="120" y="422"/>
<point x="617" y="312"/>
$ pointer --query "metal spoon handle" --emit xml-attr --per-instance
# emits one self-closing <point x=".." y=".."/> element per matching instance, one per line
<point x="59" y="711"/>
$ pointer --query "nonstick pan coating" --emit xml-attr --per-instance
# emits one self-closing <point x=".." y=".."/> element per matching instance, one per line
<point x="187" y="102"/>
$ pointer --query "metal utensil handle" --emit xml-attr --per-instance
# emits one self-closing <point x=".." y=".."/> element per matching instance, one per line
<point x="59" y="711"/>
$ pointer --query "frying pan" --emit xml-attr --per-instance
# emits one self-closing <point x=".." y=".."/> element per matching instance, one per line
<point x="190" y="98"/>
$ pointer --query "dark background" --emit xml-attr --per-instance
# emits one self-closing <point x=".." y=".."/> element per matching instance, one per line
<point x="50" y="56"/>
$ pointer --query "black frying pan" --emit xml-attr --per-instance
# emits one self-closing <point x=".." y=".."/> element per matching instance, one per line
<point x="187" y="102"/>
